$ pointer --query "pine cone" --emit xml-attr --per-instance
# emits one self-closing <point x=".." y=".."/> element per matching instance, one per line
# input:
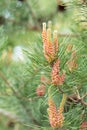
<point x="53" y="116"/>
<point x="83" y="126"/>
<point x="50" y="48"/>
<point x="56" y="78"/>
<point x="56" y="117"/>
<point x="40" y="91"/>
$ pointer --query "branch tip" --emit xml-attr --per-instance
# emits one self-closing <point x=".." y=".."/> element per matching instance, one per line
<point x="55" y="34"/>
<point x="44" y="26"/>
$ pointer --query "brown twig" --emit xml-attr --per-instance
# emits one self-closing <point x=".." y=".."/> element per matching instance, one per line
<point x="77" y="99"/>
<point x="4" y="78"/>
<point x="84" y="96"/>
<point x="61" y="90"/>
<point x="82" y="100"/>
<point x="10" y="116"/>
<point x="8" y="84"/>
<point x="83" y="103"/>
<point x="68" y="35"/>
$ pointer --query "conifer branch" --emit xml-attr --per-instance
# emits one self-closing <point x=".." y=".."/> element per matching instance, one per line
<point x="68" y="35"/>
<point x="10" y="116"/>
<point x="6" y="81"/>
<point x="14" y="92"/>
<point x="61" y="90"/>
<point x="77" y="99"/>
<point x="33" y="15"/>
<point x="84" y="96"/>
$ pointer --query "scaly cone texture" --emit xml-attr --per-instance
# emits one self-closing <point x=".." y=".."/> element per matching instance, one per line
<point x="56" y="78"/>
<point x="56" y="117"/>
<point x="52" y="112"/>
<point x="50" y="48"/>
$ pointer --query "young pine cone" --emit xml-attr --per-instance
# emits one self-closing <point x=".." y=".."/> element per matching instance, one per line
<point x="56" y="78"/>
<point x="56" y="117"/>
<point x="83" y="126"/>
<point x="53" y="115"/>
<point x="40" y="90"/>
<point x="50" y="48"/>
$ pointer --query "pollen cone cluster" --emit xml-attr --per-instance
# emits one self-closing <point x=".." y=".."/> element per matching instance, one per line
<point x="56" y="117"/>
<point x="57" y="79"/>
<point x="50" y="48"/>
<point x="52" y="111"/>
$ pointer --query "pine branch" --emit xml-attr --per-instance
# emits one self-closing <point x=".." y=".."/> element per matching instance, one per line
<point x="61" y="90"/>
<point x="84" y="95"/>
<point x="77" y="99"/>
<point x="68" y="35"/>
<point x="10" y="116"/>
<point x="33" y="14"/>
<point x="8" y="84"/>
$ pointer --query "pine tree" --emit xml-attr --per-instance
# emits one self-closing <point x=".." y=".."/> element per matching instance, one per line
<point x="49" y="90"/>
